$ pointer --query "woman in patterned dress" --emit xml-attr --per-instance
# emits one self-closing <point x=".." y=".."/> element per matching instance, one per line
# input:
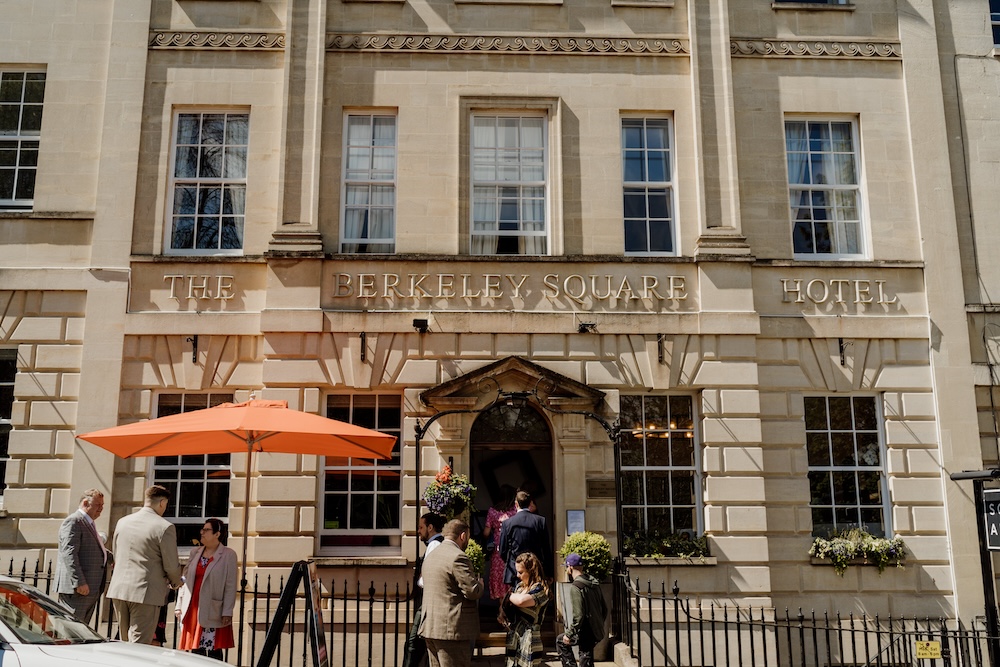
<point x="205" y="601"/>
<point x="495" y="516"/>
<point x="530" y="595"/>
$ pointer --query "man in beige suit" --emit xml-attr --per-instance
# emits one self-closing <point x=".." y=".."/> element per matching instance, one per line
<point x="450" y="622"/>
<point x="145" y="550"/>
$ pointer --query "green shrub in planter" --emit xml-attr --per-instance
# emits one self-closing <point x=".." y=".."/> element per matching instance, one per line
<point x="477" y="557"/>
<point x="671" y="545"/>
<point x="594" y="550"/>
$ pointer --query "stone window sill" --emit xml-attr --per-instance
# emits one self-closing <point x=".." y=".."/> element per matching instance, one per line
<point x="508" y="2"/>
<point x="662" y="4"/>
<point x="810" y="6"/>
<point x="360" y="561"/>
<point x="858" y="562"/>
<point x="671" y="561"/>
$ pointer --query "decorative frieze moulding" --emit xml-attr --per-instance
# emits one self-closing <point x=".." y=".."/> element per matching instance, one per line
<point x="243" y="41"/>
<point x="629" y="46"/>
<point x="779" y="48"/>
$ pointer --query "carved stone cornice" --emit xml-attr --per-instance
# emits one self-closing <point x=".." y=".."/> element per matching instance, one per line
<point x="781" y="48"/>
<point x="192" y="39"/>
<point x="626" y="46"/>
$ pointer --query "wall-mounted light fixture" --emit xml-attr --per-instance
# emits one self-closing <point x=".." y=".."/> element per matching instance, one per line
<point x="364" y="347"/>
<point x="194" y="347"/>
<point x="421" y="326"/>
<point x="587" y="327"/>
<point x="843" y="345"/>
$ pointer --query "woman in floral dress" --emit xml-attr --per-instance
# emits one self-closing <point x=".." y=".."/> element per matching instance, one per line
<point x="205" y="601"/>
<point x="530" y="595"/>
<point x="495" y="516"/>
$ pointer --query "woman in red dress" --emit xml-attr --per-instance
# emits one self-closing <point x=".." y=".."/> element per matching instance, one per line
<point x="205" y="601"/>
<point x="495" y="517"/>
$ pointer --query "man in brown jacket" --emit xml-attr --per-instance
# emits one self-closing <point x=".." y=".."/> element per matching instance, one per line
<point x="450" y="622"/>
<point x="145" y="549"/>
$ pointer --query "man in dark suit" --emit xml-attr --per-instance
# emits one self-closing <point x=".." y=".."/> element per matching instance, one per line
<point x="450" y="618"/>
<point x="145" y="548"/>
<point x="83" y="560"/>
<point x="524" y="532"/>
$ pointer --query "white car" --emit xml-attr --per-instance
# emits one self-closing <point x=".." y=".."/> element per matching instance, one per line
<point x="37" y="631"/>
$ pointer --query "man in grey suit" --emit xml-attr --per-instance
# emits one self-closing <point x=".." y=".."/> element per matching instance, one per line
<point x="82" y="564"/>
<point x="145" y="550"/>
<point x="450" y="621"/>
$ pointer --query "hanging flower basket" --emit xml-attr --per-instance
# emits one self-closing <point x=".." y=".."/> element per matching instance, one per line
<point x="449" y="495"/>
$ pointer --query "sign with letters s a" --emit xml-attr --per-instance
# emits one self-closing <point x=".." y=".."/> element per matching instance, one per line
<point x="991" y="502"/>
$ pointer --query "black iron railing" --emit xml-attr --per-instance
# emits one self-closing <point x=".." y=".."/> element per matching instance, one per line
<point x="363" y="626"/>
<point x="661" y="629"/>
<point x="368" y="626"/>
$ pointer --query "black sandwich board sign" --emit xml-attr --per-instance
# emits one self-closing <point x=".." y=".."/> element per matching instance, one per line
<point x="303" y="572"/>
<point x="991" y="503"/>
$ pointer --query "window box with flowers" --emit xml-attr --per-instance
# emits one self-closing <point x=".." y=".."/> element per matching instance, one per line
<point x="857" y="546"/>
<point x="681" y="546"/>
<point x="449" y="495"/>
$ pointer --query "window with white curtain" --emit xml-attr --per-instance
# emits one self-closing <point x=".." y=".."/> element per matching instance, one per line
<point x="509" y="185"/>
<point x="824" y="188"/>
<point x="209" y="183"/>
<point x="369" y="192"/>
<point x="647" y="186"/>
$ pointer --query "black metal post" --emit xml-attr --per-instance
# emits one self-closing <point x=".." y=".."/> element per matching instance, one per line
<point x="419" y="431"/>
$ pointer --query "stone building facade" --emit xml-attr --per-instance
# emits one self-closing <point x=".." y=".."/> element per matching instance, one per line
<point x="746" y="230"/>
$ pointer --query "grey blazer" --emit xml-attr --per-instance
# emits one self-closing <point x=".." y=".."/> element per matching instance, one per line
<point x="218" y="587"/>
<point x="145" y="549"/>
<point x="451" y="591"/>
<point x="81" y="556"/>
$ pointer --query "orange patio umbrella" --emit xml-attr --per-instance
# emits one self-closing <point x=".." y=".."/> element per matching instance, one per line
<point x="253" y="426"/>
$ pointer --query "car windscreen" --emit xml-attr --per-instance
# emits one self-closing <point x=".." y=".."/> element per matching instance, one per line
<point x="37" y="619"/>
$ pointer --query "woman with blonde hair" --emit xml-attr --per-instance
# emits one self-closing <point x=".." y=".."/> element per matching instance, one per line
<point x="527" y="610"/>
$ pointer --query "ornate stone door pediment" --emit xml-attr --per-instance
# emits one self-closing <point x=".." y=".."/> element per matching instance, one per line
<point x="512" y="379"/>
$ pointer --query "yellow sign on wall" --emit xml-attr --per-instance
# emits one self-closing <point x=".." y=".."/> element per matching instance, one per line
<point x="926" y="650"/>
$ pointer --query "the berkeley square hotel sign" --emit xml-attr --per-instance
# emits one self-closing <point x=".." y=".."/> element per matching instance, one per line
<point x="517" y="286"/>
<point x="383" y="285"/>
<point x="583" y="289"/>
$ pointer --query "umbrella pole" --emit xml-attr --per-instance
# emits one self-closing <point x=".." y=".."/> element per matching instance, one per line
<point x="243" y="563"/>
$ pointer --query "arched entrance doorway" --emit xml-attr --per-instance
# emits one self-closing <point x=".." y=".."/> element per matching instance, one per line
<point x="510" y="447"/>
<point x="519" y="408"/>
